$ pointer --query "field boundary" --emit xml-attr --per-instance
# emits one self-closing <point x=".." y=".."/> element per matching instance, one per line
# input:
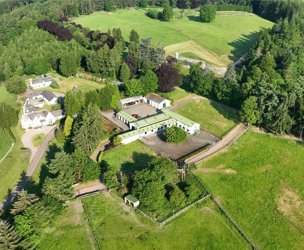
<point x="11" y="147"/>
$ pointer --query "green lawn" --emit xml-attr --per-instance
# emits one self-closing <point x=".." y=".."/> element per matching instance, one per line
<point x="14" y="164"/>
<point x="67" y="84"/>
<point x="128" y="157"/>
<point x="176" y="95"/>
<point x="69" y="232"/>
<point x="229" y="34"/>
<point x="116" y="227"/>
<point x="259" y="181"/>
<point x="38" y="139"/>
<point x="212" y="116"/>
<point x="5" y="142"/>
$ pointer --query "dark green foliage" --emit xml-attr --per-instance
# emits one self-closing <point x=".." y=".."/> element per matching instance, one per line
<point x="59" y="135"/>
<point x="92" y="97"/>
<point x="109" y="97"/>
<point x="24" y="200"/>
<point x="150" y="56"/>
<point x="143" y="3"/>
<point x="37" y="66"/>
<point x="167" y="13"/>
<point x="15" y="85"/>
<point x="74" y="101"/>
<point x="175" y="134"/>
<point x="134" y="87"/>
<point x="149" y="82"/>
<point x="153" y="13"/>
<point x="125" y="73"/>
<point x="88" y="130"/>
<point x="201" y="81"/>
<point x="207" y="13"/>
<point x="249" y="111"/>
<point x="8" y="116"/>
<point x="68" y="65"/>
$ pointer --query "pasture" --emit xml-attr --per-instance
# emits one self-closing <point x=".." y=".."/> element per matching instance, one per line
<point x="228" y="37"/>
<point x="5" y="142"/>
<point x="213" y="117"/>
<point x="176" y="95"/>
<point x="119" y="227"/>
<point x="259" y="182"/>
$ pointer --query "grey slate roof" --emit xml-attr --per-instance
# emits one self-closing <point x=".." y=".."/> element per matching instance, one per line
<point x="42" y="80"/>
<point x="155" y="98"/>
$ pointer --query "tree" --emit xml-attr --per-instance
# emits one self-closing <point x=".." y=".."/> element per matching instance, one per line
<point x="131" y="62"/>
<point x="200" y="81"/>
<point x="167" y="13"/>
<point x="134" y="37"/>
<point x="207" y="13"/>
<point x="143" y="3"/>
<point x="125" y="73"/>
<point x="88" y="130"/>
<point x="24" y="200"/>
<point x="250" y="111"/>
<point x="175" y="134"/>
<point x="133" y="87"/>
<point x="68" y="65"/>
<point x="149" y="81"/>
<point x="15" y="85"/>
<point x="8" y="116"/>
<point x="68" y="126"/>
<point x="73" y="102"/>
<point x="177" y="197"/>
<point x="168" y="77"/>
<point x="9" y="238"/>
<point x="109" y="97"/>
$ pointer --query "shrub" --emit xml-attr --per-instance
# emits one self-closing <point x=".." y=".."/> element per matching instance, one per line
<point x="54" y="85"/>
<point x="90" y="172"/>
<point x="207" y="13"/>
<point x="175" y="135"/>
<point x="116" y="141"/>
<point x="143" y="3"/>
<point x="153" y="14"/>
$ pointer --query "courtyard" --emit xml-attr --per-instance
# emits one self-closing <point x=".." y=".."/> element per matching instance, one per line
<point x="141" y="110"/>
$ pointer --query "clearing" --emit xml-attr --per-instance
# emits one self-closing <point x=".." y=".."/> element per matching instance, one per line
<point x="213" y="117"/>
<point x="264" y="190"/>
<point x="119" y="227"/>
<point x="227" y="38"/>
<point x="128" y="158"/>
<point x="66" y="84"/>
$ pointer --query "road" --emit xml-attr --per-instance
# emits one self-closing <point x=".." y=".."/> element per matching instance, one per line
<point x="30" y="170"/>
<point x="225" y="142"/>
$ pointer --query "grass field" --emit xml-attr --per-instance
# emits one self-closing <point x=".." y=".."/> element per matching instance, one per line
<point x="5" y="142"/>
<point x="117" y="227"/>
<point x="176" y="95"/>
<point x="38" y="139"/>
<point x="8" y="98"/>
<point x="212" y="116"/>
<point x="230" y="34"/>
<point x="67" y="84"/>
<point x="128" y="157"/>
<point x="14" y="164"/>
<point x="70" y="231"/>
<point x="259" y="181"/>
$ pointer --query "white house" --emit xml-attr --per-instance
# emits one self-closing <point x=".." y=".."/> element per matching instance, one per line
<point x="41" y="82"/>
<point x="40" y="118"/>
<point x="157" y="101"/>
<point x="39" y="98"/>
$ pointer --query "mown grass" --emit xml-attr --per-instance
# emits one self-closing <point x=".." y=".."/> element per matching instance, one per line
<point x="117" y="227"/>
<point x="190" y="55"/>
<point x="5" y="142"/>
<point x="8" y="98"/>
<point x="176" y="95"/>
<point x="228" y="35"/>
<point x="37" y="140"/>
<point x="128" y="157"/>
<point x="67" y="84"/>
<point x="212" y="116"/>
<point x="262" y="188"/>
<point x="14" y="164"/>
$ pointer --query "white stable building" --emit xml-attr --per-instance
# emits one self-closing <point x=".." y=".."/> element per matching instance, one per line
<point x="153" y="100"/>
<point x="41" y="82"/>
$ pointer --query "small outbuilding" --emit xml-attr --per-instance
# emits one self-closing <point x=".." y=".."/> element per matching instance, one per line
<point x="130" y="101"/>
<point x="157" y="101"/>
<point x="131" y="200"/>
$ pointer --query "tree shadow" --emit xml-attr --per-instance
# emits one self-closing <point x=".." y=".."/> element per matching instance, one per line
<point x="228" y="112"/>
<point x="194" y="18"/>
<point x="50" y="154"/>
<point x="242" y="45"/>
<point x="140" y="161"/>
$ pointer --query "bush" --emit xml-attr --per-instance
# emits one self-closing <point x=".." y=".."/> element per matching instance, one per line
<point x="175" y="135"/>
<point x="207" y="13"/>
<point x="90" y="172"/>
<point x="54" y="85"/>
<point x="154" y="14"/>
<point x="15" y="85"/>
<point x="116" y="141"/>
<point x="143" y="3"/>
